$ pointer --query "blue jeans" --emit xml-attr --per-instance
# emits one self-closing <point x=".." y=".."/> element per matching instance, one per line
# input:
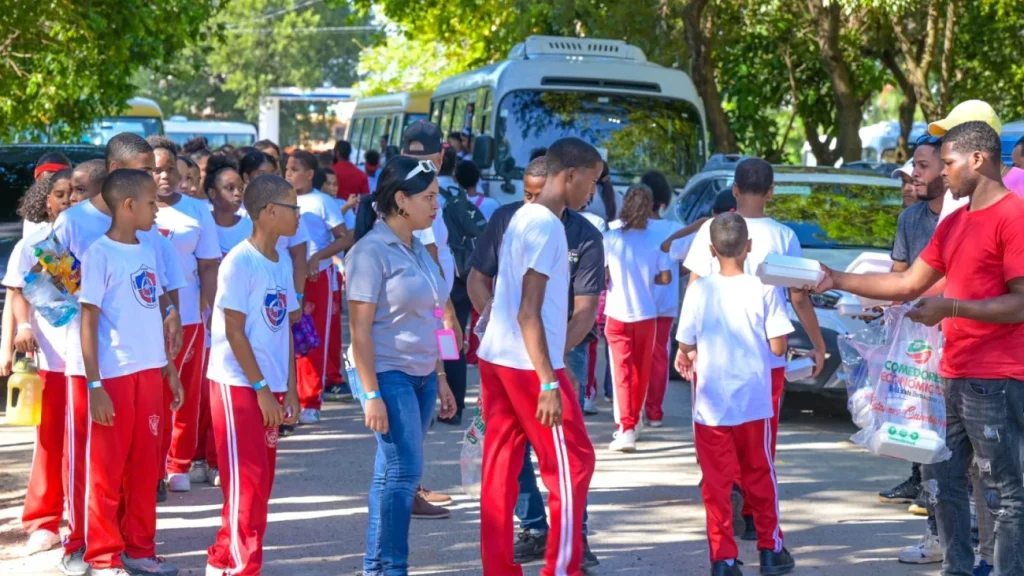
<point x="530" y="506"/>
<point x="984" y="422"/>
<point x="410" y="404"/>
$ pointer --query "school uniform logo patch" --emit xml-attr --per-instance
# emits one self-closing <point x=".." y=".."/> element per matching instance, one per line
<point x="167" y="232"/>
<point x="275" y="308"/>
<point x="143" y="283"/>
<point x="271" y="438"/>
<point x="154" y="425"/>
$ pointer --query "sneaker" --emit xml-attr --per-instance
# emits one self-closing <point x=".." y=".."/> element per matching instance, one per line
<point x="590" y="407"/>
<point x="197" y="473"/>
<point x="213" y="476"/>
<point x="920" y="505"/>
<point x="161" y="491"/>
<point x="736" y="498"/>
<point x="214" y="571"/>
<point x="529" y="546"/>
<point x="625" y="441"/>
<point x="773" y="563"/>
<point x="655" y="423"/>
<point x="309" y="416"/>
<point x="904" y="493"/>
<point x="427" y="511"/>
<point x="722" y="568"/>
<point x="109" y="572"/>
<point x="983" y="569"/>
<point x="749" y="529"/>
<point x="41" y="541"/>
<point x="589" y="558"/>
<point x="927" y="551"/>
<point x="151" y="565"/>
<point x="609" y="399"/>
<point x="179" y="482"/>
<point x="338" y="393"/>
<point x="433" y="497"/>
<point x="453" y="421"/>
<point x="285" y="430"/>
<point x="74" y="564"/>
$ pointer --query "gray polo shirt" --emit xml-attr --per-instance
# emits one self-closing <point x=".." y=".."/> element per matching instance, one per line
<point x="382" y="270"/>
<point x="914" y="230"/>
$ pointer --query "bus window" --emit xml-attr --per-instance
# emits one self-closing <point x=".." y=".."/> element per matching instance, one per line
<point x="446" y="116"/>
<point x="458" y="114"/>
<point x="366" y="135"/>
<point x="379" y="129"/>
<point x="435" y="112"/>
<point x="355" y="131"/>
<point x="486" y="109"/>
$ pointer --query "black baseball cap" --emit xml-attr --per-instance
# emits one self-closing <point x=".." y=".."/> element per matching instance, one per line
<point x="427" y="134"/>
<point x="724" y="202"/>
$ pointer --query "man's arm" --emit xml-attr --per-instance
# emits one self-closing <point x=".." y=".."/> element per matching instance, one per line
<point x="683" y="233"/>
<point x="893" y="286"/>
<point x="584" y="314"/>
<point x="1005" y="309"/>
<point x="549" y="404"/>
<point x="478" y="285"/>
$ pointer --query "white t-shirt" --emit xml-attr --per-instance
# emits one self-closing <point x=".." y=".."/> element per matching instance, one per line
<point x="681" y="247"/>
<point x="534" y="239"/>
<point x="437" y="235"/>
<point x="633" y="258"/>
<point x="51" y="340"/>
<point x="191" y="229"/>
<point x="320" y="215"/>
<point x="485" y="204"/>
<point x="264" y="292"/>
<point x="767" y="236"/>
<point x="667" y="295"/>
<point x="598" y="222"/>
<point x="30" y="228"/>
<point x="122" y="281"/>
<point x="730" y="320"/>
<point x="230" y="236"/>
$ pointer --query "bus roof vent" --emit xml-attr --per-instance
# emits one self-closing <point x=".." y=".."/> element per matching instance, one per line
<point x="565" y="46"/>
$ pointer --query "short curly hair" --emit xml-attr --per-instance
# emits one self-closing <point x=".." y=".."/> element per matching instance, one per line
<point x="32" y="206"/>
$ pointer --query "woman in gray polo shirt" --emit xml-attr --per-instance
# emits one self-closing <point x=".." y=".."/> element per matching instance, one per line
<point x="395" y="296"/>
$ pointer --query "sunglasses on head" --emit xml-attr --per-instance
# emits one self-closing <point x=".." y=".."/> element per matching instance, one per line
<point x="423" y="167"/>
<point x="928" y="139"/>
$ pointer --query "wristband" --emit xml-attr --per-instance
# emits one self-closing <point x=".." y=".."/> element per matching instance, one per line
<point x="24" y="326"/>
<point x="95" y="385"/>
<point x="549" y="387"/>
<point x="371" y="395"/>
<point x="298" y="297"/>
<point x="259" y="385"/>
<point x="170" y="308"/>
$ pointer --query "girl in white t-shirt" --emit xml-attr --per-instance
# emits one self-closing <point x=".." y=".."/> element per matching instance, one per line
<point x="635" y="264"/>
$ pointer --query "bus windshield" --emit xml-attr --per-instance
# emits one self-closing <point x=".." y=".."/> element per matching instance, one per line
<point x="633" y="133"/>
<point x="107" y="128"/>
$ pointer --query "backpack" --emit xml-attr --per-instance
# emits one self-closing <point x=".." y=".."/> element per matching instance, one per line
<point x="465" y="224"/>
<point x="366" y="216"/>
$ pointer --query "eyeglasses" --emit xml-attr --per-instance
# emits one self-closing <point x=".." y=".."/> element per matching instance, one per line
<point x="286" y="205"/>
<point x="423" y="167"/>
<point x="928" y="139"/>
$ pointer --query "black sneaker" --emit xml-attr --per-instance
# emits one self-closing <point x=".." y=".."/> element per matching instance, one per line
<point x="749" y="529"/>
<point x="161" y="491"/>
<point x="736" y="498"/>
<point x="773" y="563"/>
<point x="286" y="430"/>
<point x="453" y="421"/>
<point x="904" y="493"/>
<point x="337" y="393"/>
<point x="529" y="547"/>
<point x="920" y="505"/>
<point x="589" y="558"/>
<point x="721" y="568"/>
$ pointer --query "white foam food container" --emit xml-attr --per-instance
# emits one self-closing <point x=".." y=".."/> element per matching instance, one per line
<point x="871" y="263"/>
<point x="790" y="271"/>
<point x="850" y="305"/>
<point x="912" y="444"/>
<point x="799" y="369"/>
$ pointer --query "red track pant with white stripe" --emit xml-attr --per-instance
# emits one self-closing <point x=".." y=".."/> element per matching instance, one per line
<point x="659" y="369"/>
<point x="334" y="364"/>
<point x="778" y="384"/>
<point x="181" y="429"/>
<point x="248" y="453"/>
<point x="631" y="350"/>
<point x="44" y="501"/>
<point x="206" y="446"/>
<point x="311" y="370"/>
<point x="729" y="452"/>
<point x="123" y="462"/>
<point x="76" y="460"/>
<point x="566" y="465"/>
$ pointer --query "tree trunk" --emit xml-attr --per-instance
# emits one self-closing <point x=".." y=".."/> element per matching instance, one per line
<point x="702" y="71"/>
<point x="907" y="107"/>
<point x="947" y="56"/>
<point x="918" y="69"/>
<point x="849" y="110"/>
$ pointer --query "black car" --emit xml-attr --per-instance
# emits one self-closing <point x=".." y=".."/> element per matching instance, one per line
<point x="17" y="167"/>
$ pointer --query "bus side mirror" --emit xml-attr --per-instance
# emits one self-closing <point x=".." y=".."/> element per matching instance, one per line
<point x="483" y="152"/>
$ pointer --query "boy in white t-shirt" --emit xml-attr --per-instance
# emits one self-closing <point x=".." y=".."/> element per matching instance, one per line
<point x="252" y="371"/>
<point x="124" y="355"/>
<point x="736" y="325"/>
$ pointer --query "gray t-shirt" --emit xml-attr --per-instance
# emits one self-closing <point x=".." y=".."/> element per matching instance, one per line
<point x="914" y="231"/>
<point x="382" y="270"/>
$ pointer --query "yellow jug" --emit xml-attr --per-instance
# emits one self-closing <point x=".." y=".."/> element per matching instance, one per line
<point x="24" y="394"/>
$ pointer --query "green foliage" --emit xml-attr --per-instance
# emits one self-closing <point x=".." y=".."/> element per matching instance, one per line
<point x="989" y="55"/>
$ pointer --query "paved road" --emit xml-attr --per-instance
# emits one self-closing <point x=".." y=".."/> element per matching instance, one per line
<point x="646" y="511"/>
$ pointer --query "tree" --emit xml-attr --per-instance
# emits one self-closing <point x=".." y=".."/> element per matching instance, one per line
<point x="65" y="64"/>
<point x="700" y="31"/>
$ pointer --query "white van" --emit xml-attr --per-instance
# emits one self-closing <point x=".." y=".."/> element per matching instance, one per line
<point x="640" y="115"/>
<point x="237" y="134"/>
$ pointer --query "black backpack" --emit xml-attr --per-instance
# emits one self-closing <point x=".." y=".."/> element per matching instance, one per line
<point x="366" y="216"/>
<point x="465" y="224"/>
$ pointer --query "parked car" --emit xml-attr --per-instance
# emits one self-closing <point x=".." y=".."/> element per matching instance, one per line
<point x="837" y="215"/>
<point x="17" y="166"/>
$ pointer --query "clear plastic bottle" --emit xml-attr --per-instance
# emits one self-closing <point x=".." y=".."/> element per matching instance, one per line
<point x="53" y="305"/>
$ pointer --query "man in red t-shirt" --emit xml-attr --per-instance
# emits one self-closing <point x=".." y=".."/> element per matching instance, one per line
<point x="351" y="180"/>
<point x="980" y="250"/>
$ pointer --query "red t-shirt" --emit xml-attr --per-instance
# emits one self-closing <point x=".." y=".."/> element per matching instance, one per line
<point x="351" y="180"/>
<point x="979" y="252"/>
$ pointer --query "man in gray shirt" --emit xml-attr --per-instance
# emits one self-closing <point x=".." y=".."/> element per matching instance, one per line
<point x="917" y="223"/>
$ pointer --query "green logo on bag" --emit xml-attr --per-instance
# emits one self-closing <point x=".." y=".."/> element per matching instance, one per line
<point x="914" y="436"/>
<point x="919" y="351"/>
<point x="892" y="430"/>
<point x="903" y="433"/>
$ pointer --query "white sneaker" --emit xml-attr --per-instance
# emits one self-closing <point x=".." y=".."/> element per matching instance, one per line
<point x="179" y="482"/>
<point x="151" y="565"/>
<point x="211" y="571"/>
<point x="199" y="471"/>
<point x="640" y="425"/>
<point x="41" y="541"/>
<point x="109" y="572"/>
<point x="309" y="416"/>
<point x="927" y="551"/>
<point x="624" y="442"/>
<point x="590" y="407"/>
<point x="655" y="423"/>
<point x="213" y="477"/>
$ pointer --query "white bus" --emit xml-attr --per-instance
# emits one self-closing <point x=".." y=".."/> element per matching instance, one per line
<point x="237" y="134"/>
<point x="641" y="116"/>
<point x="376" y="118"/>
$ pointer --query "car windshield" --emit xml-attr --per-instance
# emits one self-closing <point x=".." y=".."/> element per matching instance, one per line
<point x="634" y="133"/>
<point x="109" y="127"/>
<point x="830" y="215"/>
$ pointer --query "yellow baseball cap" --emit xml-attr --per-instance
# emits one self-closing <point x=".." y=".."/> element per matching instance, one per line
<point x="967" y="111"/>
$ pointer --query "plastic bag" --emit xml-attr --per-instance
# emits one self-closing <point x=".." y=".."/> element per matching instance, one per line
<point x="304" y="335"/>
<point x="54" y="306"/>
<point x="909" y="404"/>
<point x="863" y="355"/>
<point x="482" y="321"/>
<point x="60" y="264"/>
<point x="472" y="458"/>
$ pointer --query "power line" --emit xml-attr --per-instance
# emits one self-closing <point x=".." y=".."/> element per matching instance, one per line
<point x="276" y="13"/>
<point x="318" y="30"/>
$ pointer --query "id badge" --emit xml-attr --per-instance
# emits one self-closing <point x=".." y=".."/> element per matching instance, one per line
<point x="447" y="345"/>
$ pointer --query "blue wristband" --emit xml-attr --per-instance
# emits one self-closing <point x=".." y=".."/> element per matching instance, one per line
<point x="95" y="385"/>
<point x="170" y="308"/>
<point x="371" y="395"/>
<point x="298" y="297"/>
<point x="259" y="385"/>
<point x="549" y="387"/>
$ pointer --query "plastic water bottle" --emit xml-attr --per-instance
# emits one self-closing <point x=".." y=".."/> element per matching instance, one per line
<point x="53" y="305"/>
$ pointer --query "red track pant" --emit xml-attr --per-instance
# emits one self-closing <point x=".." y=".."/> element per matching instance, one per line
<point x="123" y="462"/>
<point x="181" y="429"/>
<point x="592" y="369"/>
<point x="778" y="384"/>
<point x="631" y="347"/>
<point x="566" y="465"/>
<point x="246" y="477"/>
<point x="206" y="446"/>
<point x="76" y="460"/>
<point x="44" y="501"/>
<point x="312" y="370"/>
<point x="659" y="369"/>
<point x="728" y="452"/>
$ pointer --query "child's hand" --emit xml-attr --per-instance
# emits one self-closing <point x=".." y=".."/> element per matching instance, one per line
<point x="172" y="332"/>
<point x="177" y="391"/>
<point x="100" y="406"/>
<point x="273" y="413"/>
<point x="25" y="340"/>
<point x="291" y="407"/>
<point x="6" y="361"/>
<point x="549" y="408"/>
<point x="684" y="364"/>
